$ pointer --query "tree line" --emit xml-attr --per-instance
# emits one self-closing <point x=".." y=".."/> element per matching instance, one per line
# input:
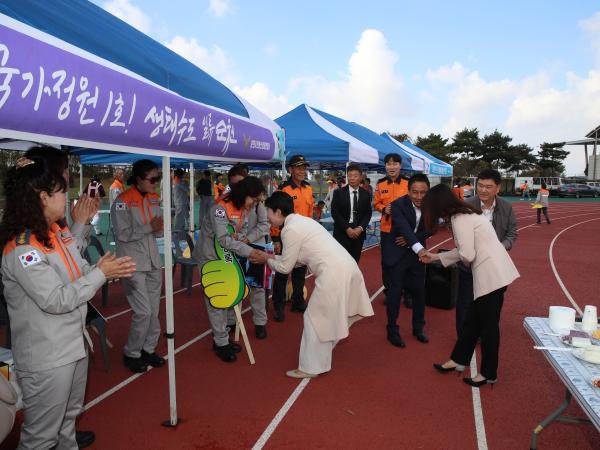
<point x="469" y="153"/>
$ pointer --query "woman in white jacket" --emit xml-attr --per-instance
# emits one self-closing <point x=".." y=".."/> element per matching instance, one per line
<point x="477" y="246"/>
<point x="339" y="297"/>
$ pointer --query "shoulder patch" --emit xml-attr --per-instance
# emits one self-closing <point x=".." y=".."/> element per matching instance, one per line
<point x="30" y="258"/>
<point x="121" y="206"/>
<point x="220" y="213"/>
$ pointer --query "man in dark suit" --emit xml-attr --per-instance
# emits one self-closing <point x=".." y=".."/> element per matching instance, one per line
<point x="407" y="272"/>
<point x="351" y="211"/>
<point x="501" y="214"/>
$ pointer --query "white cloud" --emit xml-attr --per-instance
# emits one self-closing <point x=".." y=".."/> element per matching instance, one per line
<point x="128" y="12"/>
<point x="212" y="60"/>
<point x="447" y="74"/>
<point x="264" y="99"/>
<point x="371" y="92"/>
<point x="219" y="8"/>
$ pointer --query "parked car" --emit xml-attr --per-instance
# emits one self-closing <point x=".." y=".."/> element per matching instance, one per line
<point x="577" y="190"/>
<point x="594" y="184"/>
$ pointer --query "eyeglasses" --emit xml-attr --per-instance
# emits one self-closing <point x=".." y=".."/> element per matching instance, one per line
<point x="153" y="180"/>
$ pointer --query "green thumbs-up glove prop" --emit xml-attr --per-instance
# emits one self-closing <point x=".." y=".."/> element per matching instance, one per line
<point x="223" y="279"/>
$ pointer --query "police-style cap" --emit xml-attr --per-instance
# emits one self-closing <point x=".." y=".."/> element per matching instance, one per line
<point x="297" y="161"/>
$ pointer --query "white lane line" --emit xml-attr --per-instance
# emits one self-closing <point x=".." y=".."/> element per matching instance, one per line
<point x="556" y="275"/>
<point x="477" y="409"/>
<point x="264" y="437"/>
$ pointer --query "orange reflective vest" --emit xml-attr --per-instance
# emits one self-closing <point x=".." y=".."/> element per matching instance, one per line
<point x="386" y="191"/>
<point x="304" y="202"/>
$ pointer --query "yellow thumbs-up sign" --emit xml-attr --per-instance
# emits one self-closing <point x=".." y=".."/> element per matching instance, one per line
<point x="223" y="279"/>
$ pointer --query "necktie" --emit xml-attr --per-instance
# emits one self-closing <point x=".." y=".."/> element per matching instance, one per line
<point x="354" y="206"/>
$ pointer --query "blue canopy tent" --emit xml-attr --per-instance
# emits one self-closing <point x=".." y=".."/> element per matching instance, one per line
<point x="330" y="142"/>
<point x="75" y="75"/>
<point x="431" y="164"/>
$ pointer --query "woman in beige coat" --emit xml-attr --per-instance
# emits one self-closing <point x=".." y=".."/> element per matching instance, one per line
<point x="477" y="246"/>
<point x="339" y="297"/>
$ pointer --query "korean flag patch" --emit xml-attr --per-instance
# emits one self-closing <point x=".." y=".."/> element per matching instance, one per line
<point x="220" y="213"/>
<point x="121" y="206"/>
<point x="30" y="258"/>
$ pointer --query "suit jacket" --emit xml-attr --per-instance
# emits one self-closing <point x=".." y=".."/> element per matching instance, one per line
<point x="404" y="221"/>
<point x="504" y="220"/>
<point x="340" y="211"/>
<point x="477" y="244"/>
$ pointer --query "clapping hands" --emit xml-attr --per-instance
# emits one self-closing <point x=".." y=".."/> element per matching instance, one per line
<point x="85" y="209"/>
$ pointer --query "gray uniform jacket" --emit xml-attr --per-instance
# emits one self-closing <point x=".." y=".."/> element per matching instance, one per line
<point x="504" y="220"/>
<point x="181" y="195"/>
<point x="215" y="225"/>
<point x="131" y="214"/>
<point x="258" y="224"/>
<point x="46" y="290"/>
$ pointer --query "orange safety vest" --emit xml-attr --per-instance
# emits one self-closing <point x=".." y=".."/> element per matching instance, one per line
<point x="304" y="202"/>
<point x="459" y="192"/>
<point x="385" y="193"/>
<point x="233" y="214"/>
<point x="117" y="185"/>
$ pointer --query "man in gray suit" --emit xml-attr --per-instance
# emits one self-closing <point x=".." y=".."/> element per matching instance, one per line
<point x="500" y="213"/>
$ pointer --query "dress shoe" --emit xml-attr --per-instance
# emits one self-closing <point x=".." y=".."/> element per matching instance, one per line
<point x="225" y="353"/>
<point x="235" y="348"/>
<point x="299" y="306"/>
<point x="297" y="373"/>
<point x="136" y="365"/>
<point x="480" y="383"/>
<point x="421" y="337"/>
<point x="153" y="359"/>
<point x="260" y="331"/>
<point x="440" y="368"/>
<point x="396" y="340"/>
<point x="84" y="438"/>
<point x="278" y="315"/>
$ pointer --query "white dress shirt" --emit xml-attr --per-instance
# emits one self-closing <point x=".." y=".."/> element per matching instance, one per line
<point x="417" y="247"/>
<point x="488" y="212"/>
<point x="351" y="190"/>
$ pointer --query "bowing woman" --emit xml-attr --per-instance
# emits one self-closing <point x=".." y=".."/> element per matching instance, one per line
<point x="339" y="297"/>
<point x="47" y="285"/>
<point x="477" y="246"/>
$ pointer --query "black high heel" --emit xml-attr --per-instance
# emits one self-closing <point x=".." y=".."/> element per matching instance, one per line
<point x="441" y="369"/>
<point x="480" y="383"/>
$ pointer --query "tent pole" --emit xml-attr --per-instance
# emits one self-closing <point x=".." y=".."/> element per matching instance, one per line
<point x="192" y="200"/>
<point x="170" y="332"/>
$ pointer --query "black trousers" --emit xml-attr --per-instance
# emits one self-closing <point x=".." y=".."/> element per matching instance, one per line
<point x="406" y="276"/>
<point x="464" y="296"/>
<point x="353" y="246"/>
<point x="539" y="214"/>
<point x="280" y="287"/>
<point x="482" y="321"/>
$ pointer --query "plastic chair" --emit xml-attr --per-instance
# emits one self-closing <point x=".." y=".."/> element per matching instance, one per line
<point x="186" y="264"/>
<point x="98" y="323"/>
<point x="95" y="243"/>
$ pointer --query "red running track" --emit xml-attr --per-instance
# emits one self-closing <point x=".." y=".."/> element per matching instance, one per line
<point x="376" y="396"/>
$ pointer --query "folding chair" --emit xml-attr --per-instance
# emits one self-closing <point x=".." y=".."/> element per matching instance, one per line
<point x="95" y="243"/>
<point x="186" y="264"/>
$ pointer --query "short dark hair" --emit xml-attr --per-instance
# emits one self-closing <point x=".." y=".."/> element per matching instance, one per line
<point x="392" y="157"/>
<point x="207" y="173"/>
<point x="418" y="178"/>
<point x="321" y="202"/>
<point x="140" y="169"/>
<point x="544" y="185"/>
<point x="239" y="170"/>
<point x="178" y="173"/>
<point x="281" y="201"/>
<point x="248" y="187"/>
<point x="354" y="167"/>
<point x="368" y="180"/>
<point x="490" y="174"/>
<point x="440" y="202"/>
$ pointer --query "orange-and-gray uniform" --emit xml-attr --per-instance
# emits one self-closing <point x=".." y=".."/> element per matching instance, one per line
<point x="542" y="199"/>
<point x="215" y="225"/>
<point x="304" y="204"/>
<point x="46" y="291"/>
<point x="219" y="190"/>
<point x="181" y="203"/>
<point x="386" y="191"/>
<point x="116" y="188"/>
<point x="131" y="215"/>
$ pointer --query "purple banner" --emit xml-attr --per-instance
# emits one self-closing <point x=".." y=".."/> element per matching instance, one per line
<point x="49" y="91"/>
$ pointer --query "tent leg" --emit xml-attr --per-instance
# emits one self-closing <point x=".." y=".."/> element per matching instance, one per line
<point x="170" y="332"/>
<point x="192" y="201"/>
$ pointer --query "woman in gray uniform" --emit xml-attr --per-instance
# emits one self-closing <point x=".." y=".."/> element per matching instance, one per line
<point x="47" y="285"/>
<point x="137" y="221"/>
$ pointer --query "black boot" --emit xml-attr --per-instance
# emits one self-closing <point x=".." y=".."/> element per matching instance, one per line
<point x="136" y="365"/>
<point x="225" y="352"/>
<point x="260" y="331"/>
<point x="84" y="438"/>
<point x="153" y="359"/>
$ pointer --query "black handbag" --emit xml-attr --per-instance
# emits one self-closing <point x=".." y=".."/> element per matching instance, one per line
<point x="441" y="285"/>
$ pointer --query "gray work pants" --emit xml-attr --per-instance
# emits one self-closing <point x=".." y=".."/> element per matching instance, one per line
<point x="206" y="202"/>
<point x="143" y="295"/>
<point x="52" y="400"/>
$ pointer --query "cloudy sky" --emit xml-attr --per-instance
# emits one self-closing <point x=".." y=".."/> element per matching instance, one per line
<point x="530" y="69"/>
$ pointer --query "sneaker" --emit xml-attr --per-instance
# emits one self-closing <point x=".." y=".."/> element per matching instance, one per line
<point x="260" y="331"/>
<point x="225" y="353"/>
<point x="153" y="359"/>
<point x="136" y="365"/>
